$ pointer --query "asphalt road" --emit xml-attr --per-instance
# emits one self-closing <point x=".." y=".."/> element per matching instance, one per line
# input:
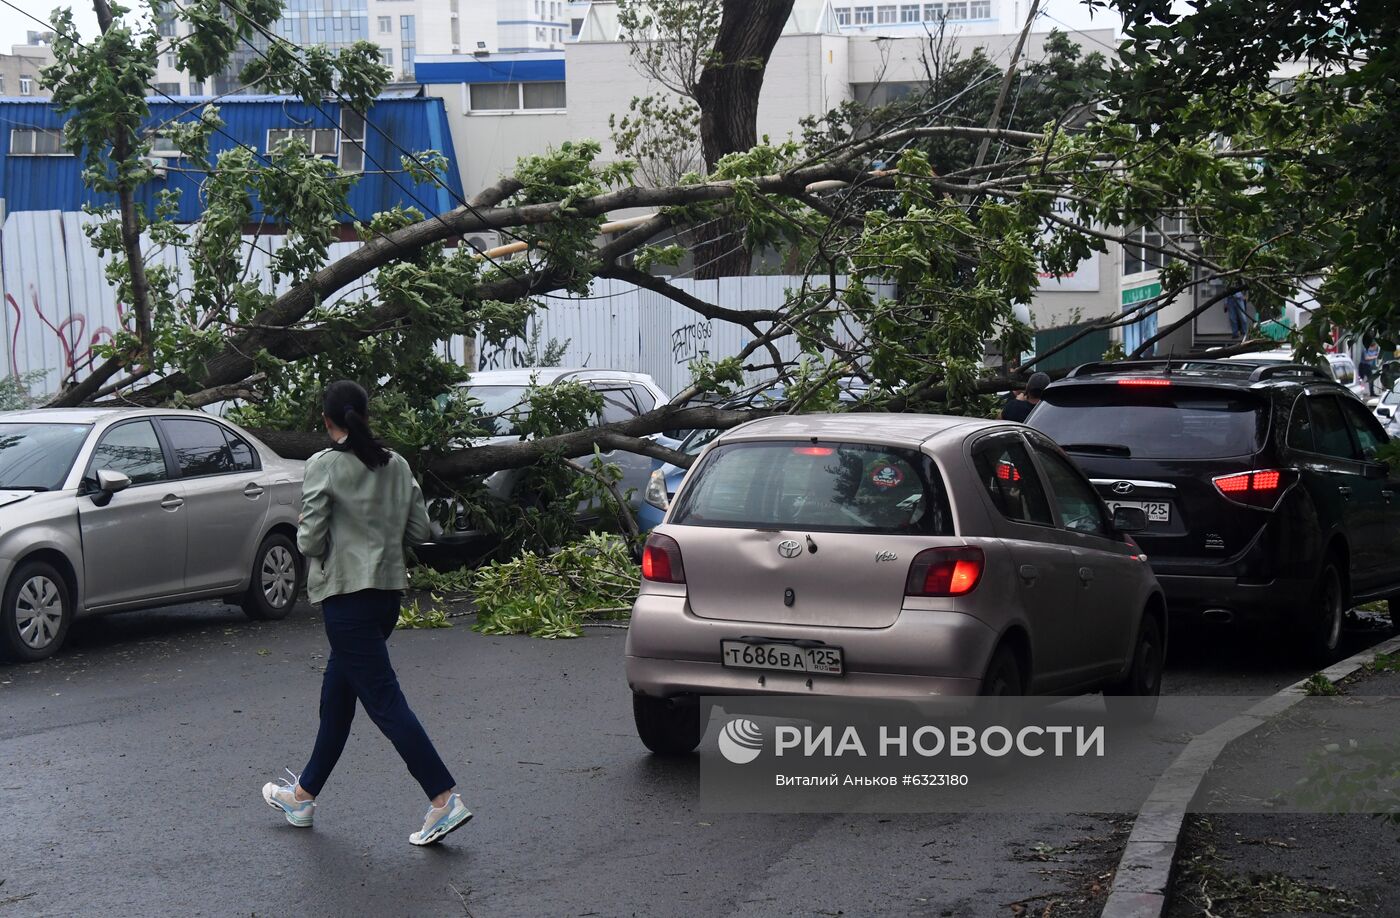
<point x="132" y="765"/>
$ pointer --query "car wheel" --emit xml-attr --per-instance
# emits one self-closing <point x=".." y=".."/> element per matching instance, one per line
<point x="1004" y="676"/>
<point x="1135" y="698"/>
<point x="276" y="582"/>
<point x="1320" y="630"/>
<point x="668" y="726"/>
<point x="36" y="615"/>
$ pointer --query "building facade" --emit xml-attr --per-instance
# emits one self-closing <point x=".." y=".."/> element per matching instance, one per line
<point x="37" y="174"/>
<point x="20" y="69"/>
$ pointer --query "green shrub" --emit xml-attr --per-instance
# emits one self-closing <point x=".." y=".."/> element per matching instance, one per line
<point x="552" y="596"/>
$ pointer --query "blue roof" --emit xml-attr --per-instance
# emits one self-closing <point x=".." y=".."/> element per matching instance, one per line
<point x="416" y="124"/>
<point x="468" y="68"/>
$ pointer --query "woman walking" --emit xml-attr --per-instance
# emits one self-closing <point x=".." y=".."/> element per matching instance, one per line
<point x="360" y="504"/>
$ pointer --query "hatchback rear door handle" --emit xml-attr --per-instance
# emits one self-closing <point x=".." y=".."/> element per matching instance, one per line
<point x="1086" y="574"/>
<point x="172" y="502"/>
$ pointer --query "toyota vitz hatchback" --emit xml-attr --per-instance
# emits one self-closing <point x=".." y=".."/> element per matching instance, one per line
<point x="892" y="556"/>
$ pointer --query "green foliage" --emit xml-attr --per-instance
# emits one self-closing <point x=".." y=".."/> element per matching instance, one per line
<point x="552" y="596"/>
<point x="414" y="615"/>
<point x="1319" y="685"/>
<point x="15" y="390"/>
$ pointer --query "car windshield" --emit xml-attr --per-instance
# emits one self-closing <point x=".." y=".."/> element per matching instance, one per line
<point x="1153" y="422"/>
<point x="696" y="440"/>
<point x="37" y="457"/>
<point x="502" y="406"/>
<point x="822" y="487"/>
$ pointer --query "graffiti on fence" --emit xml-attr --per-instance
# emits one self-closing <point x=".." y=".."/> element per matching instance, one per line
<point x="75" y="345"/>
<point x="690" y="342"/>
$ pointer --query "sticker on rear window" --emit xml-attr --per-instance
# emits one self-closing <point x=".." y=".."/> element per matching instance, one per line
<point x="884" y="475"/>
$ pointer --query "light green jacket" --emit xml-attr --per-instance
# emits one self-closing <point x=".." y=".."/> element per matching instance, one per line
<point x="355" y="522"/>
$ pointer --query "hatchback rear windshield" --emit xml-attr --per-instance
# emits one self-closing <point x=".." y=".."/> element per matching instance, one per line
<point x="1153" y="422"/>
<point x="822" y="487"/>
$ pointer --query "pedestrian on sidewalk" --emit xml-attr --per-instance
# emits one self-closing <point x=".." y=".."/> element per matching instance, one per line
<point x="1019" y="408"/>
<point x="1237" y="310"/>
<point x="360" y="505"/>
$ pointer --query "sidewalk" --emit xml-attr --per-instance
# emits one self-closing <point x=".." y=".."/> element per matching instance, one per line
<point x="1252" y="865"/>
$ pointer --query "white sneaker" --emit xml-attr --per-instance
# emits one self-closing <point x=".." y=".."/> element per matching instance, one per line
<point x="283" y="797"/>
<point x="440" y="821"/>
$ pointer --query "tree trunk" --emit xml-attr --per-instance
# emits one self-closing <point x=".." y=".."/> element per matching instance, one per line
<point x="728" y="98"/>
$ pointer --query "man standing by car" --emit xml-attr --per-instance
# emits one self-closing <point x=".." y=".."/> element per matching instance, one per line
<point x="1019" y="408"/>
<point x="1238" y="312"/>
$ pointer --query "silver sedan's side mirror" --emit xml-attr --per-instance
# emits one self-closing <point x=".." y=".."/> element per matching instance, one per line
<point x="109" y="482"/>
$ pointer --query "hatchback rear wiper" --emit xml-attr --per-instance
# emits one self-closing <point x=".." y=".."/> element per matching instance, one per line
<point x="1105" y="449"/>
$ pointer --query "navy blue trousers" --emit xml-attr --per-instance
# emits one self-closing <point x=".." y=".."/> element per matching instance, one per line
<point x="358" y="625"/>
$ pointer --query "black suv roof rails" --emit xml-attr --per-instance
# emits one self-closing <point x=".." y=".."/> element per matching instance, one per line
<point x="1237" y="369"/>
<point x="1272" y="370"/>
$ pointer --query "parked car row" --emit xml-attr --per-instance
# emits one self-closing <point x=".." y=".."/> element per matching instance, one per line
<point x="906" y="555"/>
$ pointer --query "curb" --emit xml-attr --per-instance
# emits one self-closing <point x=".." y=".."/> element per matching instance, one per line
<point x="1142" y="880"/>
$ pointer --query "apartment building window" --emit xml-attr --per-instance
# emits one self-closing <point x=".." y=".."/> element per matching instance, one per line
<point x="843" y="17"/>
<point x="933" y="12"/>
<point x="386" y="24"/>
<point x="162" y="89"/>
<point x="165" y="26"/>
<point x="387" y="56"/>
<point x="170" y="60"/>
<point x="887" y="14"/>
<point x="408" y="38"/>
<point x="865" y="15"/>
<point x="162" y="145"/>
<point x="196" y="89"/>
<point x="909" y="13"/>
<point x="980" y="9"/>
<point x="26" y="86"/>
<point x="956" y="10"/>
<point x="36" y="142"/>
<point x="352" y="140"/>
<point x="1137" y="258"/>
<point x="510" y="97"/>
<point x="321" y="141"/>
<point x="2" y="84"/>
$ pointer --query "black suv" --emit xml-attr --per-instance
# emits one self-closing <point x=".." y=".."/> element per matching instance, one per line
<point x="1263" y="496"/>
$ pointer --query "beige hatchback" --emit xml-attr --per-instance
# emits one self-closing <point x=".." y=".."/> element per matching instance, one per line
<point x="889" y="556"/>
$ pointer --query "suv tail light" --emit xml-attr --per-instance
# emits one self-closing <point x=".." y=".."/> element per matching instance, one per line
<point x="1259" y="488"/>
<point x="661" y="560"/>
<point x="945" y="572"/>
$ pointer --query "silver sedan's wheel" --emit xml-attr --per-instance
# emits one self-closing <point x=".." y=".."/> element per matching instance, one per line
<point x="38" y="612"/>
<point x="275" y="585"/>
<point x="35" y="614"/>
<point x="279" y="577"/>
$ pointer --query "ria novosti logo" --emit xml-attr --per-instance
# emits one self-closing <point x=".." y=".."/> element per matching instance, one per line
<point x="741" y="741"/>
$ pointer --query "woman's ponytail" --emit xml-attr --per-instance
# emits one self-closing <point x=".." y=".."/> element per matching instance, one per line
<point x="347" y="406"/>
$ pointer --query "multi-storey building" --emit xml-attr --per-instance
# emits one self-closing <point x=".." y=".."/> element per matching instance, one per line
<point x="403" y="30"/>
<point x="20" y="69"/>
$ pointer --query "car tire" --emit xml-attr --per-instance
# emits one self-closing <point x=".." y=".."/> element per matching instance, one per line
<point x="1003" y="676"/>
<point x="1134" y="699"/>
<point x="39" y="595"/>
<point x="276" y="580"/>
<point x="1319" y="632"/>
<point x="668" y="726"/>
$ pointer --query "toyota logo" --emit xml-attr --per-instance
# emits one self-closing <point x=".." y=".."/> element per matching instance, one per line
<point x="789" y="548"/>
<point x="1122" y="487"/>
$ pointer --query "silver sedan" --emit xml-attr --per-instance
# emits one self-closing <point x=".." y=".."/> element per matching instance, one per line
<point x="103" y="510"/>
<point x="889" y="556"/>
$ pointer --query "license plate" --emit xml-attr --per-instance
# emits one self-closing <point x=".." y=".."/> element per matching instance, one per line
<point x="1158" y="511"/>
<point x="786" y="657"/>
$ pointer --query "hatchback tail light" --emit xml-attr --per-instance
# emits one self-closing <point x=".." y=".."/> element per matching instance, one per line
<point x="1259" y="488"/>
<point x="945" y="572"/>
<point x="661" y="560"/>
